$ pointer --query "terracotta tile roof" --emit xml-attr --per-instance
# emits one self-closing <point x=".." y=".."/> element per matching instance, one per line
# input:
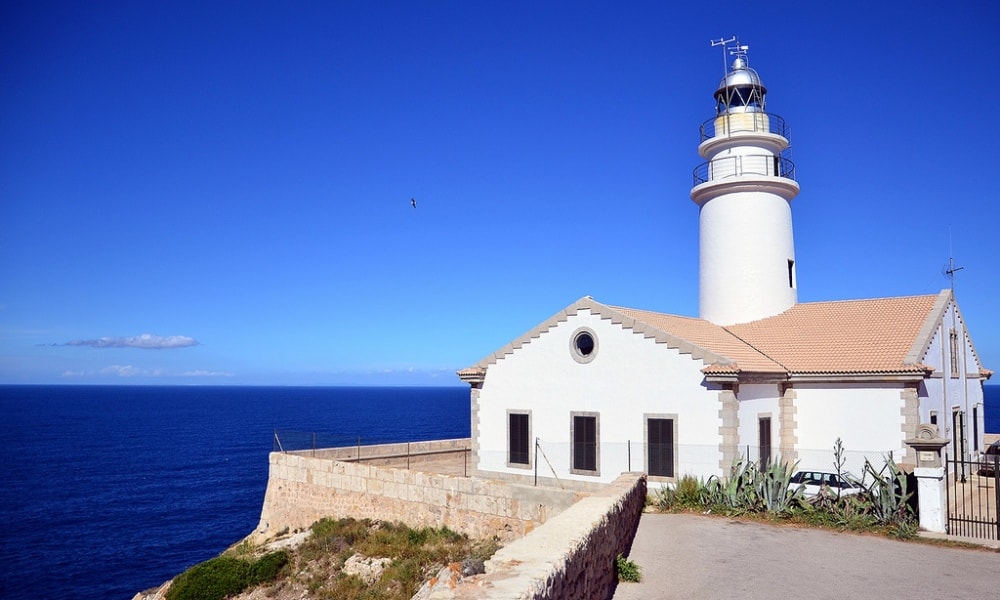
<point x="848" y="336"/>
<point x="738" y="355"/>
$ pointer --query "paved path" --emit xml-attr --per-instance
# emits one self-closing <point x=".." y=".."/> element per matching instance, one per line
<point x="693" y="556"/>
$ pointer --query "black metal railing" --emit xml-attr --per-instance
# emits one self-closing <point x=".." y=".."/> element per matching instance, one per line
<point x="767" y="165"/>
<point x="973" y="497"/>
<point x="745" y="122"/>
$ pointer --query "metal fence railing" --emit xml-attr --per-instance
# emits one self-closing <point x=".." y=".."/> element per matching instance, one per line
<point x="973" y="497"/>
<point x="606" y="460"/>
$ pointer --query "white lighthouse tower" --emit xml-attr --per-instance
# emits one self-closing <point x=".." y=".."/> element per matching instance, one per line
<point x="744" y="191"/>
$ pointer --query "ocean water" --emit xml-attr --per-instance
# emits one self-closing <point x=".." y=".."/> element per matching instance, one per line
<point x="107" y="491"/>
<point x="991" y="408"/>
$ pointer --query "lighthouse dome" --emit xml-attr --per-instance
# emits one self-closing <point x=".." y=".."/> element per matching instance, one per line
<point x="740" y="90"/>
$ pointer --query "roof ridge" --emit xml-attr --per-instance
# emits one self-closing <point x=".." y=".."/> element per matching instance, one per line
<point x="756" y="349"/>
<point x="845" y="300"/>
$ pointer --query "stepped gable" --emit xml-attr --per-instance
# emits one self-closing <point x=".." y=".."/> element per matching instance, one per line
<point x="731" y="354"/>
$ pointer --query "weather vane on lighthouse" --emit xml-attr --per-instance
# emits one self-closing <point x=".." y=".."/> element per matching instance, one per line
<point x="737" y="50"/>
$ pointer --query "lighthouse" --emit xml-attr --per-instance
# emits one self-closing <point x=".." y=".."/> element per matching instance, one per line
<point x="744" y="192"/>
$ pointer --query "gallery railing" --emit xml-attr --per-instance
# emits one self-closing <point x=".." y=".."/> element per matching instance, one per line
<point x="767" y="165"/>
<point x="745" y="122"/>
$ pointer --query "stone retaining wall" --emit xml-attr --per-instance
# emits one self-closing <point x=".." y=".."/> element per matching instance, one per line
<point x="302" y="489"/>
<point x="572" y="556"/>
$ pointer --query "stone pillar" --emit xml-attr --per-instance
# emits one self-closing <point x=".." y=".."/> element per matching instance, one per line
<point x="729" y="413"/>
<point x="474" y="447"/>
<point x="910" y="420"/>
<point x="931" y="493"/>
<point x="787" y="438"/>
<point x="475" y="377"/>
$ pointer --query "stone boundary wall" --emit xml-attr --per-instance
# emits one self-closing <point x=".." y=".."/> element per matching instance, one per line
<point x="302" y="489"/>
<point x="366" y="453"/>
<point x="572" y="556"/>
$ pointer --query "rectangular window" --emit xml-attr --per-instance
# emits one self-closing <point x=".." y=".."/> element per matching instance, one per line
<point x="958" y="432"/>
<point x="975" y="428"/>
<point x="953" y="338"/>
<point x="791" y="273"/>
<point x="934" y="417"/>
<point x="518" y="439"/>
<point x="660" y="449"/>
<point x="584" y="433"/>
<point x="764" y="424"/>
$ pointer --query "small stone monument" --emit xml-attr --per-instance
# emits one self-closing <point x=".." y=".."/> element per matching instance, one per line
<point x="927" y="445"/>
<point x="930" y="477"/>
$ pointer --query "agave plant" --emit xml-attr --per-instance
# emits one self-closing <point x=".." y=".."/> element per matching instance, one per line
<point x="750" y="489"/>
<point x="777" y="495"/>
<point x="730" y="492"/>
<point x="887" y="493"/>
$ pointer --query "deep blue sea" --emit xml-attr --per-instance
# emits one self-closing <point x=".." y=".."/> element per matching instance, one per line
<point x="107" y="491"/>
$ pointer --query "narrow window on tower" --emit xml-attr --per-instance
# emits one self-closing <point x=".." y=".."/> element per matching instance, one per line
<point x="791" y="273"/>
<point x="518" y="439"/>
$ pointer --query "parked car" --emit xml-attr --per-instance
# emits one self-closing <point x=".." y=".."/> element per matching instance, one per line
<point x="988" y="460"/>
<point x="813" y="482"/>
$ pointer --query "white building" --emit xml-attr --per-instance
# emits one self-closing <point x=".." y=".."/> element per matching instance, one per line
<point x="605" y="389"/>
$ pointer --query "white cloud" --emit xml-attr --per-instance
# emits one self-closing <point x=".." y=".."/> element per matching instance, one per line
<point x="130" y="371"/>
<point x="204" y="373"/>
<point x="145" y="341"/>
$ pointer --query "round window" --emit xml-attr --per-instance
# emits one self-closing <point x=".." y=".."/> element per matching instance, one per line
<point x="583" y="345"/>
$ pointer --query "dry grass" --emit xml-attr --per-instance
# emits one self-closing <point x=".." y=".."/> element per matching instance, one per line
<point x="316" y="568"/>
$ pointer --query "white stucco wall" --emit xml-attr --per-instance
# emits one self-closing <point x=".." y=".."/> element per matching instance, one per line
<point x="867" y="418"/>
<point x="946" y="392"/>
<point x="757" y="400"/>
<point x="631" y="376"/>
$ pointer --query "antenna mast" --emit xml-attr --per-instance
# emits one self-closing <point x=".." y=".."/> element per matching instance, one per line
<point x="724" y="43"/>
<point x="738" y="51"/>
<point x="951" y="269"/>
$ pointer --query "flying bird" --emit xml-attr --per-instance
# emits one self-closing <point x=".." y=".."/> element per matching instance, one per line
<point x="413" y="202"/>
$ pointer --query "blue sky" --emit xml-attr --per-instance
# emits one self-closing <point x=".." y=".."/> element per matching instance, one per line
<point x="219" y="192"/>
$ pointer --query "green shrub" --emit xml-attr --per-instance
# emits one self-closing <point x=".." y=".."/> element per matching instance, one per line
<point x="690" y="492"/>
<point x="267" y="567"/>
<point x="223" y="576"/>
<point x="211" y="580"/>
<point x="627" y="570"/>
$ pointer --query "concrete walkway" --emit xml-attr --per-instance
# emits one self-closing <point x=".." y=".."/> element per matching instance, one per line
<point x="693" y="556"/>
